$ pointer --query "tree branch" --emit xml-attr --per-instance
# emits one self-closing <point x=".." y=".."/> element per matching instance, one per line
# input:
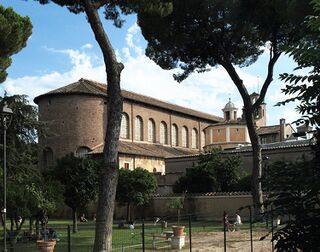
<point x="100" y="35"/>
<point x="272" y="61"/>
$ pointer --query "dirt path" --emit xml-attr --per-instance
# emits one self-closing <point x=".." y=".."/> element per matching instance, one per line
<point x="236" y="242"/>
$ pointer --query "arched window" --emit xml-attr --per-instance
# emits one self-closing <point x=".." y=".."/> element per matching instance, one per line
<point x="163" y="133"/>
<point x="174" y="135"/>
<point x="139" y="129"/>
<point x="151" y="131"/>
<point x="194" y="138"/>
<point x="82" y="151"/>
<point x="184" y="134"/>
<point x="203" y="139"/>
<point x="48" y="158"/>
<point x="124" y="131"/>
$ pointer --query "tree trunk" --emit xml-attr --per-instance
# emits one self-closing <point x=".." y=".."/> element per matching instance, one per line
<point x="249" y="109"/>
<point x="256" y="187"/>
<point x="74" y="219"/>
<point x="128" y="212"/>
<point x="109" y="173"/>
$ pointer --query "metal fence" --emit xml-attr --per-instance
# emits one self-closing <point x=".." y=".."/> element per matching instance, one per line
<point x="157" y="235"/>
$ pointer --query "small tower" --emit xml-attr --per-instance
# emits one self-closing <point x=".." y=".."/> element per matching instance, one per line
<point x="230" y="111"/>
<point x="260" y="116"/>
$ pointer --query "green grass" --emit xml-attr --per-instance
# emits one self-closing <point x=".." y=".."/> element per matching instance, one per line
<point x="83" y="240"/>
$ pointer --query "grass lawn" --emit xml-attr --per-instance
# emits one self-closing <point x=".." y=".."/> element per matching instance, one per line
<point x="83" y="240"/>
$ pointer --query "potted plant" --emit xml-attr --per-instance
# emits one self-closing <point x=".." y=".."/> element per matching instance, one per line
<point x="45" y="199"/>
<point x="177" y="204"/>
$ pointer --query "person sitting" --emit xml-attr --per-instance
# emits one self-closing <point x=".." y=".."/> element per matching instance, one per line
<point x="83" y="218"/>
<point x="229" y="226"/>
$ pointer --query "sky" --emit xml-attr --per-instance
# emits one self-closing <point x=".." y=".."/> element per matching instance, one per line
<point x="62" y="49"/>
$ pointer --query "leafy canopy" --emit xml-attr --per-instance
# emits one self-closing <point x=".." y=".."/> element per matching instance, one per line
<point x="15" y="31"/>
<point x="80" y="179"/>
<point x="135" y="186"/>
<point x="305" y="88"/>
<point x="214" y="172"/>
<point x="198" y="34"/>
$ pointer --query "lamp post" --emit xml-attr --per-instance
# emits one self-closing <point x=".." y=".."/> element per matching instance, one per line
<point x="6" y="116"/>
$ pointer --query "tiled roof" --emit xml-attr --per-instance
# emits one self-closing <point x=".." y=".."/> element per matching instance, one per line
<point x="265" y="130"/>
<point x="149" y="150"/>
<point x="89" y="87"/>
<point x="270" y="146"/>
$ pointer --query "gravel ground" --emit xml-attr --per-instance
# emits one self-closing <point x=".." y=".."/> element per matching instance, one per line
<point x="236" y="242"/>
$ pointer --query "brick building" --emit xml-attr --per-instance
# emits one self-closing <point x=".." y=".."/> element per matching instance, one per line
<point x="151" y="130"/>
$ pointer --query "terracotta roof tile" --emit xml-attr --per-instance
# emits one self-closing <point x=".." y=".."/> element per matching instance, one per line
<point x="89" y="87"/>
<point x="150" y="150"/>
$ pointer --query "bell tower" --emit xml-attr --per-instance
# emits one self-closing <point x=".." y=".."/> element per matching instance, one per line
<point x="230" y="111"/>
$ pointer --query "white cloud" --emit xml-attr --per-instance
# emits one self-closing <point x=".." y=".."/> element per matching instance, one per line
<point x="207" y="92"/>
<point x="87" y="46"/>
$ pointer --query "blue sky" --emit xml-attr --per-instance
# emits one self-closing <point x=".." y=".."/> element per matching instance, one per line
<point x="62" y="50"/>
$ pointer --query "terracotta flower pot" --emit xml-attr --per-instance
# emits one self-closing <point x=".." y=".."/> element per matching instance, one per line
<point x="178" y="230"/>
<point x="46" y="246"/>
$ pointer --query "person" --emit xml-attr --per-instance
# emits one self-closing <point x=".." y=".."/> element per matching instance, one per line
<point x="83" y="218"/>
<point x="238" y="220"/>
<point x="229" y="226"/>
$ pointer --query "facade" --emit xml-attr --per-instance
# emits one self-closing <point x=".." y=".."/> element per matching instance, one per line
<point x="233" y="132"/>
<point x="151" y="130"/>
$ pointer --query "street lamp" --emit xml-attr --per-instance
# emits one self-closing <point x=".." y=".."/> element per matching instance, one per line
<point x="6" y="116"/>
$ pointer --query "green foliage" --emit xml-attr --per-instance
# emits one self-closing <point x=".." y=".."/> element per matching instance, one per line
<point x="80" y="179"/>
<point x="176" y="203"/>
<point x="15" y="31"/>
<point x="196" y="34"/>
<point x="135" y="186"/>
<point x="214" y="172"/>
<point x="305" y="88"/>
<point x="115" y="9"/>
<point x="295" y="191"/>
<point x="22" y="171"/>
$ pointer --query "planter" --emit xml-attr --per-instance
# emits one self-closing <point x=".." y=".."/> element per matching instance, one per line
<point x="178" y="230"/>
<point x="46" y="246"/>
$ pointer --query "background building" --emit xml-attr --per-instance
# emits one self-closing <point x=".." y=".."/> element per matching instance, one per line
<point x="151" y="130"/>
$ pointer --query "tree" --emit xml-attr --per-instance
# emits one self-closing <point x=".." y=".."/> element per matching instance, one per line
<point x="136" y="187"/>
<point x="231" y="33"/>
<point x="109" y="174"/>
<point x="80" y="179"/>
<point x="295" y="185"/>
<point x="306" y="88"/>
<point x="15" y="31"/>
<point x="214" y="172"/>
<point x="22" y="162"/>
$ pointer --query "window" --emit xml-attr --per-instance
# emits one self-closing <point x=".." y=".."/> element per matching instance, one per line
<point x="203" y="139"/>
<point x="263" y="139"/>
<point x="227" y="115"/>
<point x="124" y="131"/>
<point x="126" y="166"/>
<point x="184" y="134"/>
<point x="163" y="133"/>
<point x="138" y="129"/>
<point x="47" y="158"/>
<point x="194" y="139"/>
<point x="82" y="151"/>
<point x="174" y="135"/>
<point x="151" y="131"/>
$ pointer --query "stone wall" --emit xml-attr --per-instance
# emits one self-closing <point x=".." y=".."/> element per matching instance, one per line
<point x="204" y="207"/>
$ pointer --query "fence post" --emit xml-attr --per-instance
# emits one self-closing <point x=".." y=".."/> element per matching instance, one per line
<point x="224" y="232"/>
<point x="272" y="227"/>
<point x="190" y="233"/>
<point x="69" y="238"/>
<point x="143" y="247"/>
<point x="251" y="241"/>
